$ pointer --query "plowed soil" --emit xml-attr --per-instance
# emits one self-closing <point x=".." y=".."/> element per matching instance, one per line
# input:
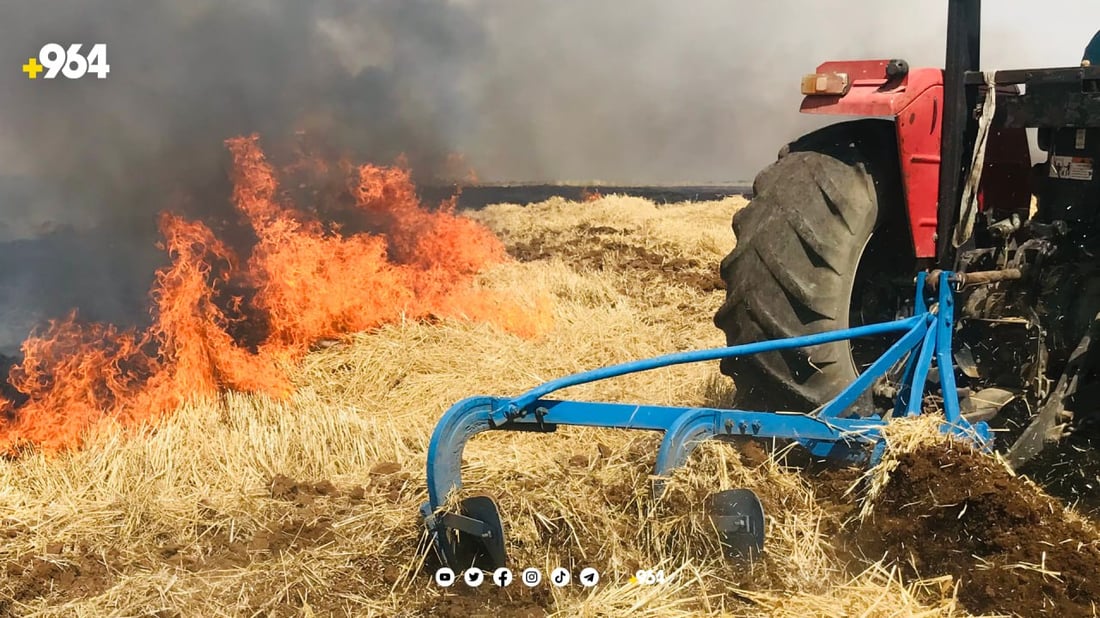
<point x="1013" y="549"/>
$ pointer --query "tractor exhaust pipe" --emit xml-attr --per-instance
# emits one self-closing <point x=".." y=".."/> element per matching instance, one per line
<point x="964" y="23"/>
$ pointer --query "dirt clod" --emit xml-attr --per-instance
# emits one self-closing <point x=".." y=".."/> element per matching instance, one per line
<point x="295" y="533"/>
<point x="54" y="576"/>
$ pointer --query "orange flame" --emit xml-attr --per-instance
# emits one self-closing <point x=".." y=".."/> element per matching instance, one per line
<point x="457" y="168"/>
<point x="591" y="195"/>
<point x="308" y="284"/>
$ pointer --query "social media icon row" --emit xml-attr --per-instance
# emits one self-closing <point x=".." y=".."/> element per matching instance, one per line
<point x="531" y="577"/>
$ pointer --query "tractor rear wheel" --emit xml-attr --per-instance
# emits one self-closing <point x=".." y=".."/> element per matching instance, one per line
<point x="821" y="246"/>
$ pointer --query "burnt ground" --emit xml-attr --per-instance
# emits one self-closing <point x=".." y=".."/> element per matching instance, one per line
<point x="104" y="270"/>
<point x="1011" y="546"/>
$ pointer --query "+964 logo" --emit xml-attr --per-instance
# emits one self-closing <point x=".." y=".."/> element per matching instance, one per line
<point x="68" y="61"/>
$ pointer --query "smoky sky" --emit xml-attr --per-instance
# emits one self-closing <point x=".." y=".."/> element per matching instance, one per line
<point x="85" y="165"/>
<point x="632" y="91"/>
<point x="374" y="78"/>
<point x="706" y="90"/>
<point x="621" y="91"/>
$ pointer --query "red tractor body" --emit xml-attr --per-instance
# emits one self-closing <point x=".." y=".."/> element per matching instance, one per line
<point x="935" y="173"/>
<point x="914" y="99"/>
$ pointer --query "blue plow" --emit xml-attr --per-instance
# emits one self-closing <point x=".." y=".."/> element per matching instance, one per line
<point x="473" y="535"/>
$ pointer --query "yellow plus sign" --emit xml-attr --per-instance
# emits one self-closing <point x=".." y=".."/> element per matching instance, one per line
<point x="32" y="68"/>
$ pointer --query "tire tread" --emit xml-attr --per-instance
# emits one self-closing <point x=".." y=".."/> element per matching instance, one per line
<point x="792" y="269"/>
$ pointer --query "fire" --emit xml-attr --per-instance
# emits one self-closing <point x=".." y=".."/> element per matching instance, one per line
<point x="459" y="169"/>
<point x="305" y="281"/>
<point x="591" y="195"/>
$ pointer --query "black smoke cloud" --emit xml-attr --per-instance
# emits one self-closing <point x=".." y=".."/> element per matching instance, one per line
<point x="374" y="78"/>
<point x="85" y="165"/>
<point x="627" y="91"/>
<point x="630" y="91"/>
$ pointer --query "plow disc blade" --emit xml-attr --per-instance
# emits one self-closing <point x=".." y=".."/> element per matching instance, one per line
<point x="738" y="517"/>
<point x="475" y="537"/>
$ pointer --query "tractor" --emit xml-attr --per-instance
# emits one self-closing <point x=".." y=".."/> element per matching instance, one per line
<point x="935" y="174"/>
<point x="918" y="222"/>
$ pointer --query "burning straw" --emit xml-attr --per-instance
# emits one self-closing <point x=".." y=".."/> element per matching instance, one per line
<point x="306" y="504"/>
<point x="301" y="282"/>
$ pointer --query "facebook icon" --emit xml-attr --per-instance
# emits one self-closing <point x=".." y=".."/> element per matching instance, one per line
<point x="502" y="577"/>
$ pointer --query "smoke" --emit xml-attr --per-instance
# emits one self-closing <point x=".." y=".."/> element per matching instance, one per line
<point x="633" y="91"/>
<point x="370" y="77"/>
<point x="651" y="91"/>
<point x="655" y="91"/>
<point x="85" y="165"/>
<point x="626" y="91"/>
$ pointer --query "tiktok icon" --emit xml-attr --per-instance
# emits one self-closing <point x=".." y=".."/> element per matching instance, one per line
<point x="561" y="577"/>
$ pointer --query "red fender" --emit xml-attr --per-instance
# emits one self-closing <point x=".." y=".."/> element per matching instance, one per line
<point x="915" y="101"/>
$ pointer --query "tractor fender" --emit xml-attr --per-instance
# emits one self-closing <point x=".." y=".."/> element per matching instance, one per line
<point x="915" y="101"/>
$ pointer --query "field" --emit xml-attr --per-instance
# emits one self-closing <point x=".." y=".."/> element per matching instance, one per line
<point x="306" y="505"/>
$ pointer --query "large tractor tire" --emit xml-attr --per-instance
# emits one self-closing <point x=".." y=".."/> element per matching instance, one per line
<point x="820" y="247"/>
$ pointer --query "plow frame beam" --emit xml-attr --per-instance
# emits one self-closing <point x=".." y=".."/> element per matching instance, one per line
<point x="926" y="336"/>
